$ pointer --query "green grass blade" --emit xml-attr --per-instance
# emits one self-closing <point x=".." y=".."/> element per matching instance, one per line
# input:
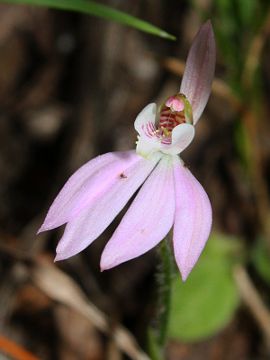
<point x="99" y="10"/>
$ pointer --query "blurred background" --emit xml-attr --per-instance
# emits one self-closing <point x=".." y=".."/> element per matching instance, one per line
<point x="71" y="86"/>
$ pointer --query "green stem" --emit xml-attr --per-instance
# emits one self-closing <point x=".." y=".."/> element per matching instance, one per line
<point x="157" y="338"/>
<point x="154" y="350"/>
<point x="165" y="274"/>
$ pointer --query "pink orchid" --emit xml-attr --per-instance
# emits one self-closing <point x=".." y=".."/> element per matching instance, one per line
<point x="169" y="195"/>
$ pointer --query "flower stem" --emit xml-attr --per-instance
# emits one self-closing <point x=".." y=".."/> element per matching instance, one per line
<point x="164" y="277"/>
<point x="157" y="337"/>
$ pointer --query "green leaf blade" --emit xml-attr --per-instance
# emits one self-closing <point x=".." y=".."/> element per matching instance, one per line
<point x="98" y="10"/>
<point x="207" y="301"/>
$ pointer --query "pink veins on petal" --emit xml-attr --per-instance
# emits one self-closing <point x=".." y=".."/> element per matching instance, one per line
<point x="95" y="218"/>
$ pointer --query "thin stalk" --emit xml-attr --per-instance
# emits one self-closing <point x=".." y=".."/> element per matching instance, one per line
<point x="164" y="277"/>
<point x="157" y="338"/>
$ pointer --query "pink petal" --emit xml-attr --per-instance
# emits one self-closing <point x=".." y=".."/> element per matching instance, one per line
<point x="91" y="222"/>
<point x="193" y="219"/>
<point x="199" y="71"/>
<point x="147" y="221"/>
<point x="85" y="185"/>
<point x="147" y="115"/>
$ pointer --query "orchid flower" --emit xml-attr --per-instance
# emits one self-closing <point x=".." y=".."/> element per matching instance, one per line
<point x="169" y="196"/>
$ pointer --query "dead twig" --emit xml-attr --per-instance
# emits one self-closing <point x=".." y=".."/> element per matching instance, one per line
<point x="63" y="289"/>
<point x="253" y="301"/>
<point x="16" y="351"/>
<point x="60" y="287"/>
